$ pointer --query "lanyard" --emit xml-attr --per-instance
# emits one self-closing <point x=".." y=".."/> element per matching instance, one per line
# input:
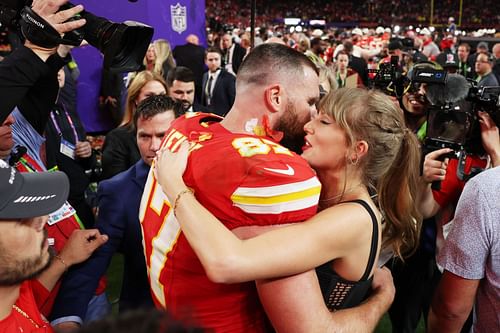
<point x="70" y="121"/>
<point x="29" y="164"/>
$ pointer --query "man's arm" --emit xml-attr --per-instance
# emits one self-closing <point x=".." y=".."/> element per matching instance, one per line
<point x="452" y="303"/>
<point x="21" y="70"/>
<point x="78" y="248"/>
<point x="295" y="304"/>
<point x="490" y="138"/>
<point x="79" y="285"/>
<point x="433" y="170"/>
<point x="365" y="317"/>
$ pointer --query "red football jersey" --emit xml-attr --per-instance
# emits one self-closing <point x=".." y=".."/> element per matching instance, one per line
<point x="25" y="316"/>
<point x="244" y="180"/>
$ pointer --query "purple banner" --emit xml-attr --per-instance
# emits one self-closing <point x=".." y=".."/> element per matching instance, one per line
<point x="172" y="20"/>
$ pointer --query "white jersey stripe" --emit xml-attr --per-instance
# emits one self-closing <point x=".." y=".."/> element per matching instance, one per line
<point x="271" y="191"/>
<point x="279" y="208"/>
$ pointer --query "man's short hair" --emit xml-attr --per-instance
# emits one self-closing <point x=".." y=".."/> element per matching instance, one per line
<point x="154" y="105"/>
<point x="315" y="41"/>
<point x="179" y="73"/>
<point x="213" y="49"/>
<point x="272" y="60"/>
<point x="489" y="57"/>
<point x="348" y="46"/>
<point x="466" y="45"/>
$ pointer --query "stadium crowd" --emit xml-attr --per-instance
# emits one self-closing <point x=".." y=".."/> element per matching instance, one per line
<point x="475" y="14"/>
<point x="201" y="188"/>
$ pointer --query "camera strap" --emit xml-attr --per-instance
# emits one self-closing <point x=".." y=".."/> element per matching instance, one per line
<point x="38" y="31"/>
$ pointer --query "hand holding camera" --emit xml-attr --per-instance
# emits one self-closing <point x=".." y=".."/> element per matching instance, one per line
<point x="48" y="10"/>
<point x="435" y="164"/>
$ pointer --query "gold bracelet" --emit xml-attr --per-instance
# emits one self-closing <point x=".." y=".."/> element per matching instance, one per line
<point x="178" y="197"/>
<point x="58" y="257"/>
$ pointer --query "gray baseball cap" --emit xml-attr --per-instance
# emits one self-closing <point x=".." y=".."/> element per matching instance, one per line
<point x="31" y="194"/>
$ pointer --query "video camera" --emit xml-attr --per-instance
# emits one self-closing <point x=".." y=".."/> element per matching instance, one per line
<point x="452" y="118"/>
<point x="391" y="79"/>
<point x="123" y="44"/>
<point x="455" y="125"/>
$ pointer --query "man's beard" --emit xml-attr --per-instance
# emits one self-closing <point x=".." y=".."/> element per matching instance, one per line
<point x="186" y="105"/>
<point x="292" y="128"/>
<point x="16" y="271"/>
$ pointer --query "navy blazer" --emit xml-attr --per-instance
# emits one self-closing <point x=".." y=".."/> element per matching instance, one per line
<point x="223" y="93"/>
<point x="119" y="199"/>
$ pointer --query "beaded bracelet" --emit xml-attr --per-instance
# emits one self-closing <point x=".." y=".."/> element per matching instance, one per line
<point x="178" y="197"/>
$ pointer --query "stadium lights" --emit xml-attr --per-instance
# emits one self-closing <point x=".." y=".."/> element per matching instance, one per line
<point x="292" y="21"/>
<point x="317" y="22"/>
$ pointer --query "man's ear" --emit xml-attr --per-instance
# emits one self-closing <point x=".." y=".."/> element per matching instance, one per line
<point x="274" y="97"/>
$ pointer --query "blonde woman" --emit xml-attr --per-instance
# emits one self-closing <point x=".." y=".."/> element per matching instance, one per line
<point x="359" y="146"/>
<point x="120" y="149"/>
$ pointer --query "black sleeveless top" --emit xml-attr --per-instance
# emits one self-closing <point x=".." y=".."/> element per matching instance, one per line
<point x="339" y="293"/>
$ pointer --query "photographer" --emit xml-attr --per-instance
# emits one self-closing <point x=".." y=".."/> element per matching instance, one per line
<point x="442" y="202"/>
<point x="28" y="76"/>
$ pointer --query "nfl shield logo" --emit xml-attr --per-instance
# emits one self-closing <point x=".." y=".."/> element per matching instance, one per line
<point x="178" y="18"/>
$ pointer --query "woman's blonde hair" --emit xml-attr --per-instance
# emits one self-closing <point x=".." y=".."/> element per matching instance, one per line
<point x="391" y="165"/>
<point x="133" y="91"/>
<point x="163" y="53"/>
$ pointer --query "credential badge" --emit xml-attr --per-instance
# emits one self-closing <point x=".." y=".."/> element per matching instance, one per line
<point x="178" y="18"/>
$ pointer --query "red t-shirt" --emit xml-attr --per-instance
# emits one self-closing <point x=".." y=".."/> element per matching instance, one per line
<point x="451" y="186"/>
<point x="244" y="180"/>
<point x="26" y="318"/>
<point x="59" y="232"/>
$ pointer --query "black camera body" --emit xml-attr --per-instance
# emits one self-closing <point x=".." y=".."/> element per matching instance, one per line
<point x="123" y="44"/>
<point x="389" y="77"/>
<point x="452" y="115"/>
<point x="456" y="125"/>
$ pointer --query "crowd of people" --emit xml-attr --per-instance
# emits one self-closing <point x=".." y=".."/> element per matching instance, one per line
<point x="477" y="14"/>
<point x="291" y="186"/>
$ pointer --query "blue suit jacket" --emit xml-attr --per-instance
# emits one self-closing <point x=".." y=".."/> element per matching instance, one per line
<point x="119" y="199"/>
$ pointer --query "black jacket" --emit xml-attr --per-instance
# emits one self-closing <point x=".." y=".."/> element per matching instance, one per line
<point x="223" y="93"/>
<point x="30" y="84"/>
<point x="119" y="151"/>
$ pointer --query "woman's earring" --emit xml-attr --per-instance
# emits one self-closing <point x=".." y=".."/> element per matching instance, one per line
<point x="354" y="161"/>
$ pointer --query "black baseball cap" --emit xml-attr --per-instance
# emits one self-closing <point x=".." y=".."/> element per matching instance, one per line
<point x="30" y="194"/>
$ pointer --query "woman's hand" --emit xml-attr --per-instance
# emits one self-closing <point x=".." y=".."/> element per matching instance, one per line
<point x="169" y="168"/>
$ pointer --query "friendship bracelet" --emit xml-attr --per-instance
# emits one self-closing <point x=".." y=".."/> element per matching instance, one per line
<point x="178" y="197"/>
<point x="58" y="257"/>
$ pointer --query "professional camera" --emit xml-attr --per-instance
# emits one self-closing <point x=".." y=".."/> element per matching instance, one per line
<point x="455" y="125"/>
<point x="123" y="44"/>
<point x="389" y="77"/>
